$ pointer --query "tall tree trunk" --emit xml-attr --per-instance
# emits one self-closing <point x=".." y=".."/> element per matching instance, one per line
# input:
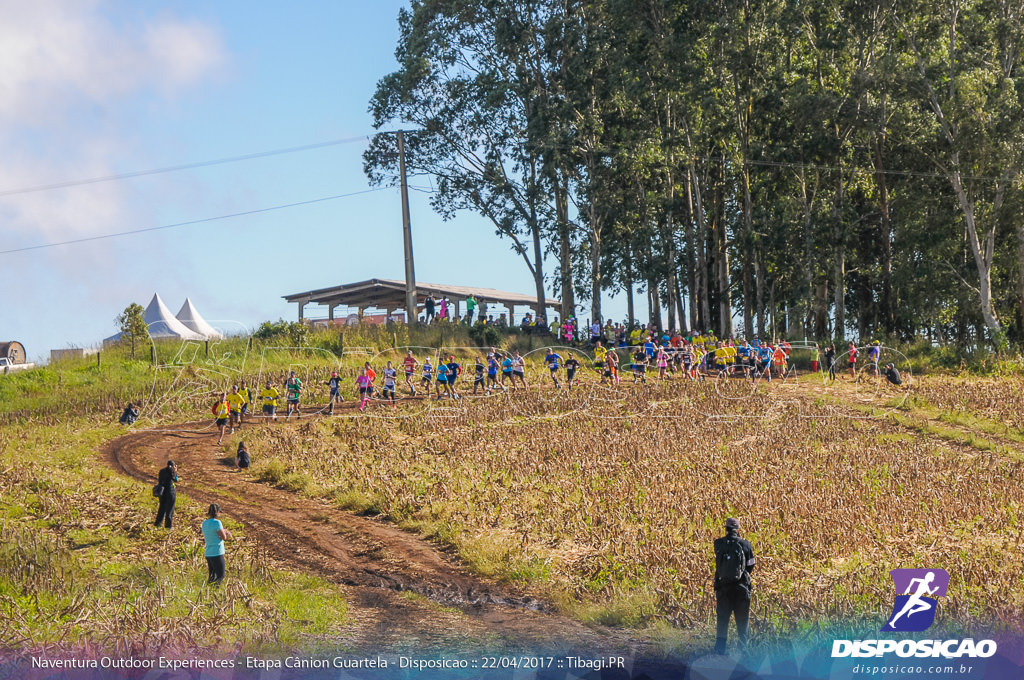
<point x="1020" y="274"/>
<point x="982" y="252"/>
<point x="538" y="251"/>
<point x="724" y="296"/>
<point x="759" y="294"/>
<point x="691" y="264"/>
<point x="683" y="326"/>
<point x="748" y="247"/>
<point x="839" y="264"/>
<point x="630" y="310"/>
<point x="564" y="249"/>
<point x="704" y="318"/>
<point x="885" y="294"/>
<point x="654" y="311"/>
<point x="596" y="225"/>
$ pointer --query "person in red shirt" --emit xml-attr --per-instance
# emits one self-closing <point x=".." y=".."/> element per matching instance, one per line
<point x="372" y="375"/>
<point x="410" y="364"/>
<point x="853" y="361"/>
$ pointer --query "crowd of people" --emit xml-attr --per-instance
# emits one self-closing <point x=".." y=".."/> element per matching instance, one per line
<point x="666" y="356"/>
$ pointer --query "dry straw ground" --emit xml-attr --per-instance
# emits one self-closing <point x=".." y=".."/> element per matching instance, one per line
<point x="613" y="497"/>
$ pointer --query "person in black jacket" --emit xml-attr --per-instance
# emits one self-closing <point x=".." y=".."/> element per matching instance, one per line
<point x="130" y="415"/>
<point x="893" y="376"/>
<point x="734" y="561"/>
<point x="166" y="479"/>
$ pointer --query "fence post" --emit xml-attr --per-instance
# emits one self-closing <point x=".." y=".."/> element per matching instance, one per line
<point x="98" y="354"/>
<point x="341" y="343"/>
<point x="152" y="353"/>
<point x="207" y="343"/>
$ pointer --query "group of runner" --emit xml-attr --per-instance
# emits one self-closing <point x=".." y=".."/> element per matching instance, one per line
<point x="694" y="357"/>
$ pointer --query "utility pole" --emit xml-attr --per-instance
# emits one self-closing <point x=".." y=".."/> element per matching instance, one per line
<point x="410" y="274"/>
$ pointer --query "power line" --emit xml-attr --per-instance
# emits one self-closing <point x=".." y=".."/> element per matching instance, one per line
<point x="191" y="222"/>
<point x="184" y="166"/>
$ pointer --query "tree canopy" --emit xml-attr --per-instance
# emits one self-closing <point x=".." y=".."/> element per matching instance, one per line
<point x="814" y="169"/>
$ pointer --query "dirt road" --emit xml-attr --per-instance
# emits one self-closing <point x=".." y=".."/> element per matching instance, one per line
<point x="373" y="561"/>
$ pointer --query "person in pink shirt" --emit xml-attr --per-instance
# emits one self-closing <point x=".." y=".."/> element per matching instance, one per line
<point x="363" y="386"/>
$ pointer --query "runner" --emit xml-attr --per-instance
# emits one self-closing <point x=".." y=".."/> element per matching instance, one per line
<point x="390" y="378"/>
<point x="600" y="354"/>
<point x="478" y="375"/>
<point x="506" y="372"/>
<point x="612" y="366"/>
<point x="235" y="400"/>
<point x="335" y="384"/>
<point x="853" y="360"/>
<point x="640" y="365"/>
<point x="454" y="371"/>
<point x="268" y="397"/>
<point x="293" y="388"/>
<point x="518" y="369"/>
<point x="364" y="388"/>
<point x="830" y="361"/>
<point x="442" y="379"/>
<point x="222" y="412"/>
<point x="571" y="364"/>
<point x="428" y="375"/>
<point x="247" y="396"/>
<point x="410" y="365"/>
<point x="779" y="358"/>
<point x="552" y="360"/>
<point x="492" y="373"/>
<point x="662" y="358"/>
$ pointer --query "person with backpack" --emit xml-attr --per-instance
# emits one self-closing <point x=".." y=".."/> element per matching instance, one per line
<point x="168" y="496"/>
<point x="734" y="561"/>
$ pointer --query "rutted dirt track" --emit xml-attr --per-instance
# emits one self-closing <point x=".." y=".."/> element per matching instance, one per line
<point x="372" y="560"/>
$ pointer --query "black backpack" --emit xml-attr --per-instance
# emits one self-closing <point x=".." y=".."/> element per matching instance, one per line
<point x="730" y="562"/>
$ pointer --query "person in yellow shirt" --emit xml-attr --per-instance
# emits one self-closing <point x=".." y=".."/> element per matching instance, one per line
<point x="236" y="401"/>
<point x="222" y="412"/>
<point x="268" y="397"/>
<point x="635" y="337"/>
<point x="600" y="354"/>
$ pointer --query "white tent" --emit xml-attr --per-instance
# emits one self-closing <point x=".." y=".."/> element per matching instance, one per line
<point x="189" y="316"/>
<point x="163" y="324"/>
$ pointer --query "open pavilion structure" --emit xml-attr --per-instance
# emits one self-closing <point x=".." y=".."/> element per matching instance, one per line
<point x="388" y="296"/>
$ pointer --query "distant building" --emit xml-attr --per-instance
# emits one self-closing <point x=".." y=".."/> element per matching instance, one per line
<point x="14" y="351"/>
<point x="388" y="296"/>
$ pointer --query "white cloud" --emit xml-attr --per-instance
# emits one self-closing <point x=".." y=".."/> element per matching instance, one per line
<point x="72" y="73"/>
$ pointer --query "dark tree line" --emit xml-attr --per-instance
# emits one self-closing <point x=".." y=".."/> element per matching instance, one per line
<point x="807" y="168"/>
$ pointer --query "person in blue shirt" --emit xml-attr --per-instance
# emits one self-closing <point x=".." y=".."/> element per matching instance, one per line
<point x="492" y="372"/>
<point x="765" y="355"/>
<point x="215" y="535"/>
<point x="649" y="349"/>
<point x="454" y="369"/>
<point x="506" y="371"/>
<point x="554" y="363"/>
<point x="442" y="379"/>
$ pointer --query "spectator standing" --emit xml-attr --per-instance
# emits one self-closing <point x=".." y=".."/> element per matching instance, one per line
<point x="168" y="496"/>
<point x="215" y="535"/>
<point x="734" y="561"/>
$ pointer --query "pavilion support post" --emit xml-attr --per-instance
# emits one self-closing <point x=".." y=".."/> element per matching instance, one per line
<point x="302" y="306"/>
<point x="330" y="312"/>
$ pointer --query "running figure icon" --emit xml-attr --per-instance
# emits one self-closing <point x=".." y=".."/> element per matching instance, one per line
<point x="914" y="609"/>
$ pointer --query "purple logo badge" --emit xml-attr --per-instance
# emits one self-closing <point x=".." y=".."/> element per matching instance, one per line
<point x="917" y="590"/>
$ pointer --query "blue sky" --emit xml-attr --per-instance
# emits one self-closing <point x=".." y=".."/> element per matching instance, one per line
<point x="93" y="88"/>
